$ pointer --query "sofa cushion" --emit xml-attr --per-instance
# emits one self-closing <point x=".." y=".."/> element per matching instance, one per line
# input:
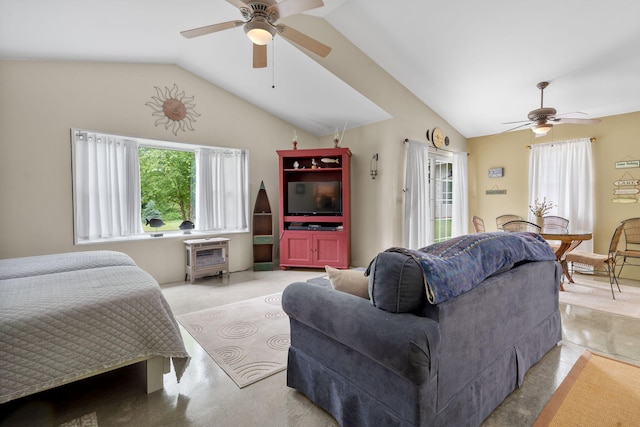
<point x="350" y="281"/>
<point x="396" y="283"/>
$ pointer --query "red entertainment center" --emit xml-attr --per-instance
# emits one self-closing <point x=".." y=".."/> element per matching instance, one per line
<point x="315" y="209"/>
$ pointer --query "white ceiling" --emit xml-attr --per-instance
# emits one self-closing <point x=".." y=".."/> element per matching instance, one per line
<point x="474" y="63"/>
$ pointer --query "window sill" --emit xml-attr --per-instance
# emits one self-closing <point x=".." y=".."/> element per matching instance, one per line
<point x="165" y="235"/>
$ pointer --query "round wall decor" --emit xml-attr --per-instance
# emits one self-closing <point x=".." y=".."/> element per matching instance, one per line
<point x="175" y="110"/>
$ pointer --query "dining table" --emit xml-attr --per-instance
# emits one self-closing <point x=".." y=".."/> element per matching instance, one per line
<point x="569" y="239"/>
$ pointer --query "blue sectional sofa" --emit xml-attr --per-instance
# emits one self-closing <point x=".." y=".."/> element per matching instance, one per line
<point x="397" y="359"/>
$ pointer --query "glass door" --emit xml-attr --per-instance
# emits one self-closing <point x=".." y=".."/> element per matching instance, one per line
<point x="441" y="185"/>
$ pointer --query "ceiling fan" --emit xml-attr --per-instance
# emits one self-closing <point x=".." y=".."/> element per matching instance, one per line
<point x="544" y="118"/>
<point x="260" y="25"/>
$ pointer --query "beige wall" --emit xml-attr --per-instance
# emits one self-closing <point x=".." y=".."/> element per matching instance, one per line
<point x="41" y="101"/>
<point x="616" y="140"/>
<point x="377" y="204"/>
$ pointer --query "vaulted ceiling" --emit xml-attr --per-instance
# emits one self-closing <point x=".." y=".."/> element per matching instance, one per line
<point x="476" y="64"/>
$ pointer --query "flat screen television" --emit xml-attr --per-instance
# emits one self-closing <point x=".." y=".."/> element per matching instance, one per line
<point x="314" y="198"/>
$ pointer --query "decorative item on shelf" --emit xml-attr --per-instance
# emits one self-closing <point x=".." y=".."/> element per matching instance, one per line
<point x="186" y="227"/>
<point x="155" y="223"/>
<point x="314" y="165"/>
<point x="328" y="160"/>
<point x="175" y="110"/>
<point x="336" y="139"/>
<point x="295" y="141"/>
<point x="373" y="166"/>
<point x="540" y="209"/>
<point x="296" y="165"/>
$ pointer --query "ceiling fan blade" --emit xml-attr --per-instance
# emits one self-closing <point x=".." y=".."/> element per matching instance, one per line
<point x="239" y="4"/>
<point x="577" y="121"/>
<point x="517" y="127"/>
<point x="517" y="121"/>
<point x="568" y="114"/>
<point x="259" y="55"/>
<point x="197" y="32"/>
<point x="291" y="7"/>
<point x="303" y="40"/>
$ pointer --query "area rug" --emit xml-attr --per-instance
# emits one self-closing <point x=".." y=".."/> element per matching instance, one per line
<point x="597" y="296"/>
<point x="249" y="340"/>
<point x="598" y="391"/>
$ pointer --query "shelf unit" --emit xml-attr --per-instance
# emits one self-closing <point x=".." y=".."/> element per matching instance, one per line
<point x="262" y="232"/>
<point x="315" y="239"/>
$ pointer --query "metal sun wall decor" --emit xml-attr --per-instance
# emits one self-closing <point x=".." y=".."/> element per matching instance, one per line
<point x="174" y="109"/>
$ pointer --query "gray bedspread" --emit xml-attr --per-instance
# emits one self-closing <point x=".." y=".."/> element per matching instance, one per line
<point x="49" y="264"/>
<point x="66" y="322"/>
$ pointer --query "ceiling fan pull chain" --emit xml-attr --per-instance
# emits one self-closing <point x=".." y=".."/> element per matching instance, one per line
<point x="273" y="64"/>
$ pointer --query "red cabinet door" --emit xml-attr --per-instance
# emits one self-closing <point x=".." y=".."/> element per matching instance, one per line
<point x="329" y="249"/>
<point x="296" y="248"/>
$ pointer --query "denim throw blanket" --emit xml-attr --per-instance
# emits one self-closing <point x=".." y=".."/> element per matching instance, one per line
<point x="456" y="266"/>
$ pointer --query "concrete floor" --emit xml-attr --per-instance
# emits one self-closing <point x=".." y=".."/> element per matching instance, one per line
<point x="207" y="397"/>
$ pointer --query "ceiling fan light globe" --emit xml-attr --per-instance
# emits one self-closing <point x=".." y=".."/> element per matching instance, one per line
<point x="259" y="36"/>
<point x="541" y="129"/>
<point x="259" y="31"/>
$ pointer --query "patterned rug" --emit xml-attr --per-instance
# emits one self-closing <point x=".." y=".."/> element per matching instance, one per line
<point x="597" y="296"/>
<point x="249" y="340"/>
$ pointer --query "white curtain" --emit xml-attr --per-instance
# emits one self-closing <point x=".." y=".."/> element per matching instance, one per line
<point x="221" y="190"/>
<point x="460" y="206"/>
<point x="107" y="186"/>
<point x="417" y="212"/>
<point x="563" y="173"/>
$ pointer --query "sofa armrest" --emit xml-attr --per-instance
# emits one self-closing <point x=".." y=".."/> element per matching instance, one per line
<point x="403" y="342"/>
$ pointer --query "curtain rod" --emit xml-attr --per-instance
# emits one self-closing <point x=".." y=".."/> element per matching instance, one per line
<point x="592" y="139"/>
<point x="434" y="148"/>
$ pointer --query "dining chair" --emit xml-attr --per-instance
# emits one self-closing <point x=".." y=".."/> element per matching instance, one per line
<point x="478" y="224"/>
<point x="502" y="219"/>
<point x="555" y="222"/>
<point x="577" y="256"/>
<point x="521" y="225"/>
<point x="631" y="231"/>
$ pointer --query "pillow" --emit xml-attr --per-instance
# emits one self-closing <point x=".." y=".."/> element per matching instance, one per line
<point x="397" y="283"/>
<point x="350" y="281"/>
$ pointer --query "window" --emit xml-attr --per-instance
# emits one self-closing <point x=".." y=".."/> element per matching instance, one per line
<point x="167" y="187"/>
<point x="119" y="183"/>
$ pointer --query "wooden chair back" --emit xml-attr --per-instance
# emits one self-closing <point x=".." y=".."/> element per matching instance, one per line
<point x="478" y="224"/>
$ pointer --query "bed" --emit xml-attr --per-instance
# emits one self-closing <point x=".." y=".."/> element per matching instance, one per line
<point x="70" y="316"/>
